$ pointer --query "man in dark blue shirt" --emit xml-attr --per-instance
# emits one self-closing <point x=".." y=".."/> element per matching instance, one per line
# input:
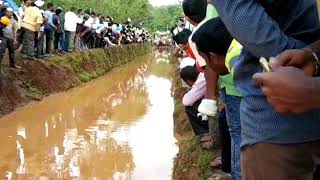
<point x="274" y="145"/>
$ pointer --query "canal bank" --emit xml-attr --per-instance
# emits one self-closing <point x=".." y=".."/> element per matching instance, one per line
<point x="38" y="79"/>
<point x="118" y="126"/>
<point x="192" y="161"/>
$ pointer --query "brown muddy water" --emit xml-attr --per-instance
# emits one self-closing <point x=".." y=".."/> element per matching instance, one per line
<point x="117" y="127"/>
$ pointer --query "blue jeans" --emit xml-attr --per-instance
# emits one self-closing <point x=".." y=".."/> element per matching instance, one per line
<point x="232" y="104"/>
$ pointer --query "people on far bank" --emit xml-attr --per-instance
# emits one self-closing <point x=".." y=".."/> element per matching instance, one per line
<point x="47" y="29"/>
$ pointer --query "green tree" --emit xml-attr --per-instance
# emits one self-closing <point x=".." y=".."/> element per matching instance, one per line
<point x="140" y="11"/>
<point x="164" y="17"/>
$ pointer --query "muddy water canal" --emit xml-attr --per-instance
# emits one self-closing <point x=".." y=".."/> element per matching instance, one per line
<point x="119" y="127"/>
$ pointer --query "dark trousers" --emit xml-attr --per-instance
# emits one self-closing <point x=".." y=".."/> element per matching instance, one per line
<point x="69" y="40"/>
<point x="39" y="45"/>
<point x="316" y="175"/>
<point x="49" y="38"/>
<point x="225" y="141"/>
<point x="4" y="44"/>
<point x="56" y="42"/>
<point x="28" y="42"/>
<point x="280" y="161"/>
<point x="199" y="127"/>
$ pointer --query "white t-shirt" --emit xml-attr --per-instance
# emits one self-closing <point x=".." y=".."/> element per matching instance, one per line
<point x="71" y="20"/>
<point x="89" y="22"/>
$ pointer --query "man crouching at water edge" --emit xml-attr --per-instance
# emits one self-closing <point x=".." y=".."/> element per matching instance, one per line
<point x="192" y="99"/>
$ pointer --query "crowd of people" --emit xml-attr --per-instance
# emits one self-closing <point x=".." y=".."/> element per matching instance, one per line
<point x="39" y="25"/>
<point x="268" y="113"/>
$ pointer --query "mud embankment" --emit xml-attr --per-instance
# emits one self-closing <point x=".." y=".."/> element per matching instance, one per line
<point x="192" y="162"/>
<point x="37" y="79"/>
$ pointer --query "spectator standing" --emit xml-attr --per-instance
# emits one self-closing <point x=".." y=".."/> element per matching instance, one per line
<point x="267" y="29"/>
<point x="57" y="21"/>
<point x="4" y="21"/>
<point x="3" y="10"/>
<point x="80" y="14"/>
<point x="31" y="24"/>
<point x="25" y="4"/>
<point x="70" y="27"/>
<point x="40" y="39"/>
<point x="50" y="27"/>
<point x="9" y="33"/>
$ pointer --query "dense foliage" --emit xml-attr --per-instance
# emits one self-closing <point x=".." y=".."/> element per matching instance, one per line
<point x="140" y="11"/>
<point x="164" y="17"/>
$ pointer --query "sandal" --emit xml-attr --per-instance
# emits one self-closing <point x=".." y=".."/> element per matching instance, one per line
<point x="220" y="176"/>
<point x="217" y="163"/>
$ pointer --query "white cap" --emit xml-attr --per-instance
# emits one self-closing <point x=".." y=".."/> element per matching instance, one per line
<point x="39" y="3"/>
<point x="187" y="62"/>
<point x="6" y="4"/>
<point x="9" y="9"/>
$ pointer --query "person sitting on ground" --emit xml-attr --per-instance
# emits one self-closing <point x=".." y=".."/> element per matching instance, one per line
<point x="215" y="55"/>
<point x="191" y="101"/>
<point x="4" y="21"/>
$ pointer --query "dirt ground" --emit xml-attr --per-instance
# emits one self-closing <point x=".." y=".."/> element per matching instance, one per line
<point x="37" y="79"/>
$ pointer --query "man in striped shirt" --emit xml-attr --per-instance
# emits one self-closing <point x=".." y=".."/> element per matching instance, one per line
<point x="274" y="145"/>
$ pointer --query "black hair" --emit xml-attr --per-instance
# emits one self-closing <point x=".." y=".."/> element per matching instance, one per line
<point x="189" y="73"/>
<point x="195" y="9"/>
<point x="49" y="5"/>
<point x="87" y="11"/>
<point x="58" y="11"/>
<point x="79" y="10"/>
<point x="182" y="37"/>
<point x="73" y="9"/>
<point x="213" y="36"/>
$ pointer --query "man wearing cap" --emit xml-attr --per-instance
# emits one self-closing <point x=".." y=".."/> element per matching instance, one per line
<point x="4" y="21"/>
<point x="9" y="33"/>
<point x="31" y="24"/>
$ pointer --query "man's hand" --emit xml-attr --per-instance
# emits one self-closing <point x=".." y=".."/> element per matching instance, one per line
<point x="207" y="108"/>
<point x="289" y="90"/>
<point x="301" y="59"/>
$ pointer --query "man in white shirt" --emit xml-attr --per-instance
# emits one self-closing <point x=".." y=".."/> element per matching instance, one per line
<point x="70" y="27"/>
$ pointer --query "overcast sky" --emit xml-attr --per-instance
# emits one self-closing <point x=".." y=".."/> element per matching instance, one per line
<point x="163" y="2"/>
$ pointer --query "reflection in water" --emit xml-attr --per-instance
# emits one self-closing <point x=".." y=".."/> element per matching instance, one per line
<point x="117" y="127"/>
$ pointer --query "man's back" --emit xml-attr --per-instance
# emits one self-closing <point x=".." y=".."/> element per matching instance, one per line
<point x="31" y="18"/>
<point x="266" y="28"/>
